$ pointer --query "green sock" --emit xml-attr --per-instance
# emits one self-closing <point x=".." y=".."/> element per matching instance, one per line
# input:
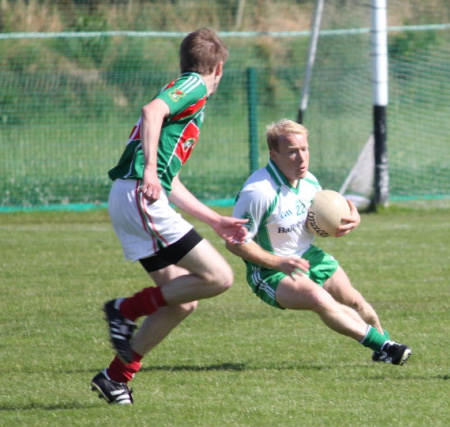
<point x="373" y="339"/>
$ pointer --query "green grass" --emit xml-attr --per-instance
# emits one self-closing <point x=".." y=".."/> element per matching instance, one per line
<point x="235" y="361"/>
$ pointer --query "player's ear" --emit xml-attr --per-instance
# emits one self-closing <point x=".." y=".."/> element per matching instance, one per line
<point x="219" y="68"/>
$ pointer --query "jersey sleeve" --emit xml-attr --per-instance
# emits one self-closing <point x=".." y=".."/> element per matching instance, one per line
<point x="253" y="205"/>
<point x="184" y="96"/>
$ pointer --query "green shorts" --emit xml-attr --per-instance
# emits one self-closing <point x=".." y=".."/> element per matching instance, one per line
<point x="264" y="281"/>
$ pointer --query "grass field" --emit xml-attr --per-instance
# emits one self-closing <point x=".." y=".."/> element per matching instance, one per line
<point x="235" y="361"/>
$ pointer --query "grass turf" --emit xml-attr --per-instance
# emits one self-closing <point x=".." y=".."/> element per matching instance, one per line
<point x="235" y="361"/>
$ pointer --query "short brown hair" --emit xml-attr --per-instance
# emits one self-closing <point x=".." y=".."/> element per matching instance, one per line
<point x="276" y="130"/>
<point x="201" y="51"/>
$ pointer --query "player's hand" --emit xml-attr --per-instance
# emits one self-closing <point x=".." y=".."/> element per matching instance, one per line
<point x="150" y="186"/>
<point x="351" y="222"/>
<point x="231" y="229"/>
<point x="293" y="265"/>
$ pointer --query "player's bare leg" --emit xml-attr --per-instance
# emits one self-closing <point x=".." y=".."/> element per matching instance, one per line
<point x="202" y="273"/>
<point x="340" y="287"/>
<point x="205" y="274"/>
<point x="209" y="275"/>
<point x="351" y="312"/>
<point x="301" y="293"/>
<point x="158" y="325"/>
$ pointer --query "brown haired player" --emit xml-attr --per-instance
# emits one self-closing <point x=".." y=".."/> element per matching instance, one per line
<point x="184" y="266"/>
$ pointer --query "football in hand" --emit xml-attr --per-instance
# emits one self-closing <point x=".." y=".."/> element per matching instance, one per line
<point x="326" y="213"/>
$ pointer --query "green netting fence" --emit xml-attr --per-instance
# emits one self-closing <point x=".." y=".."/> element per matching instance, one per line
<point x="69" y="101"/>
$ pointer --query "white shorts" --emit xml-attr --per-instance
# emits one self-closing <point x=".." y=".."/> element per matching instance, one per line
<point x="142" y="228"/>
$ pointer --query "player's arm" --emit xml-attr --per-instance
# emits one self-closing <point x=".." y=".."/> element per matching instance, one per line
<point x="253" y="202"/>
<point x="228" y="228"/>
<point x="252" y="252"/>
<point x="352" y="221"/>
<point x="153" y="115"/>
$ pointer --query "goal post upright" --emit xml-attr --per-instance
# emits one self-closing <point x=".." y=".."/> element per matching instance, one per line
<point x="312" y="48"/>
<point x="379" y="53"/>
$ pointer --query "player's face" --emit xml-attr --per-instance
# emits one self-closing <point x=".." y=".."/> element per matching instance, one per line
<point x="292" y="157"/>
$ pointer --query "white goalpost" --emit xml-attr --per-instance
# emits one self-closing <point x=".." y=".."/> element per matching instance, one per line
<point x="367" y="184"/>
<point x="311" y="56"/>
<point x="379" y="52"/>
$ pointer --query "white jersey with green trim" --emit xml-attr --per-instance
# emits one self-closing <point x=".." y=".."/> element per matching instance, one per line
<point x="277" y="211"/>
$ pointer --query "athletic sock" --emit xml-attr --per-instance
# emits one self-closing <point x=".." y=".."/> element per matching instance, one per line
<point x="121" y="372"/>
<point x="142" y="303"/>
<point x="373" y="339"/>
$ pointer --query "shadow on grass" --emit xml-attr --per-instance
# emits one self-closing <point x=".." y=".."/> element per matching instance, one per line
<point x="241" y="367"/>
<point x="218" y="367"/>
<point x="235" y="367"/>
<point x="48" y="406"/>
<point x="412" y="377"/>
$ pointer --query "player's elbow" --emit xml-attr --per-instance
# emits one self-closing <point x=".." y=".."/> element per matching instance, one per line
<point x="233" y="248"/>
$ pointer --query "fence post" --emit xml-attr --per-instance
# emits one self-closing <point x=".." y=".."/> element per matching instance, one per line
<point x="252" y="102"/>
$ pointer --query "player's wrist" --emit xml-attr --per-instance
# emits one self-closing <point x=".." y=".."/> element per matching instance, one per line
<point x="214" y="219"/>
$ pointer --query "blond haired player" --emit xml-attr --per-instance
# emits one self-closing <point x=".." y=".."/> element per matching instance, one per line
<point x="184" y="266"/>
<point x="284" y="268"/>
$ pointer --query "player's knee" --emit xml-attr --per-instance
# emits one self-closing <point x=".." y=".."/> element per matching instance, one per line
<point x="224" y="281"/>
<point x="358" y="303"/>
<point x="320" y="300"/>
<point x="357" y="306"/>
<point x="221" y="279"/>
<point x="184" y="310"/>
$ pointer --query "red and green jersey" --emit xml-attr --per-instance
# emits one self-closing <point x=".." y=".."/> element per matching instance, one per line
<point x="186" y="98"/>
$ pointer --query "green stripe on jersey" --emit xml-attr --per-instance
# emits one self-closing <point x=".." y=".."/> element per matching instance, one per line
<point x="312" y="180"/>
<point x="279" y="177"/>
<point x="263" y="237"/>
<point x="276" y="174"/>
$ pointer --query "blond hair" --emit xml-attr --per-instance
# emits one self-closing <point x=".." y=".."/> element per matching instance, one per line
<point x="283" y="127"/>
<point x="201" y="51"/>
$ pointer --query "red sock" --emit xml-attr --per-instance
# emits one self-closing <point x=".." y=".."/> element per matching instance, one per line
<point x="122" y="373"/>
<point x="142" y="303"/>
